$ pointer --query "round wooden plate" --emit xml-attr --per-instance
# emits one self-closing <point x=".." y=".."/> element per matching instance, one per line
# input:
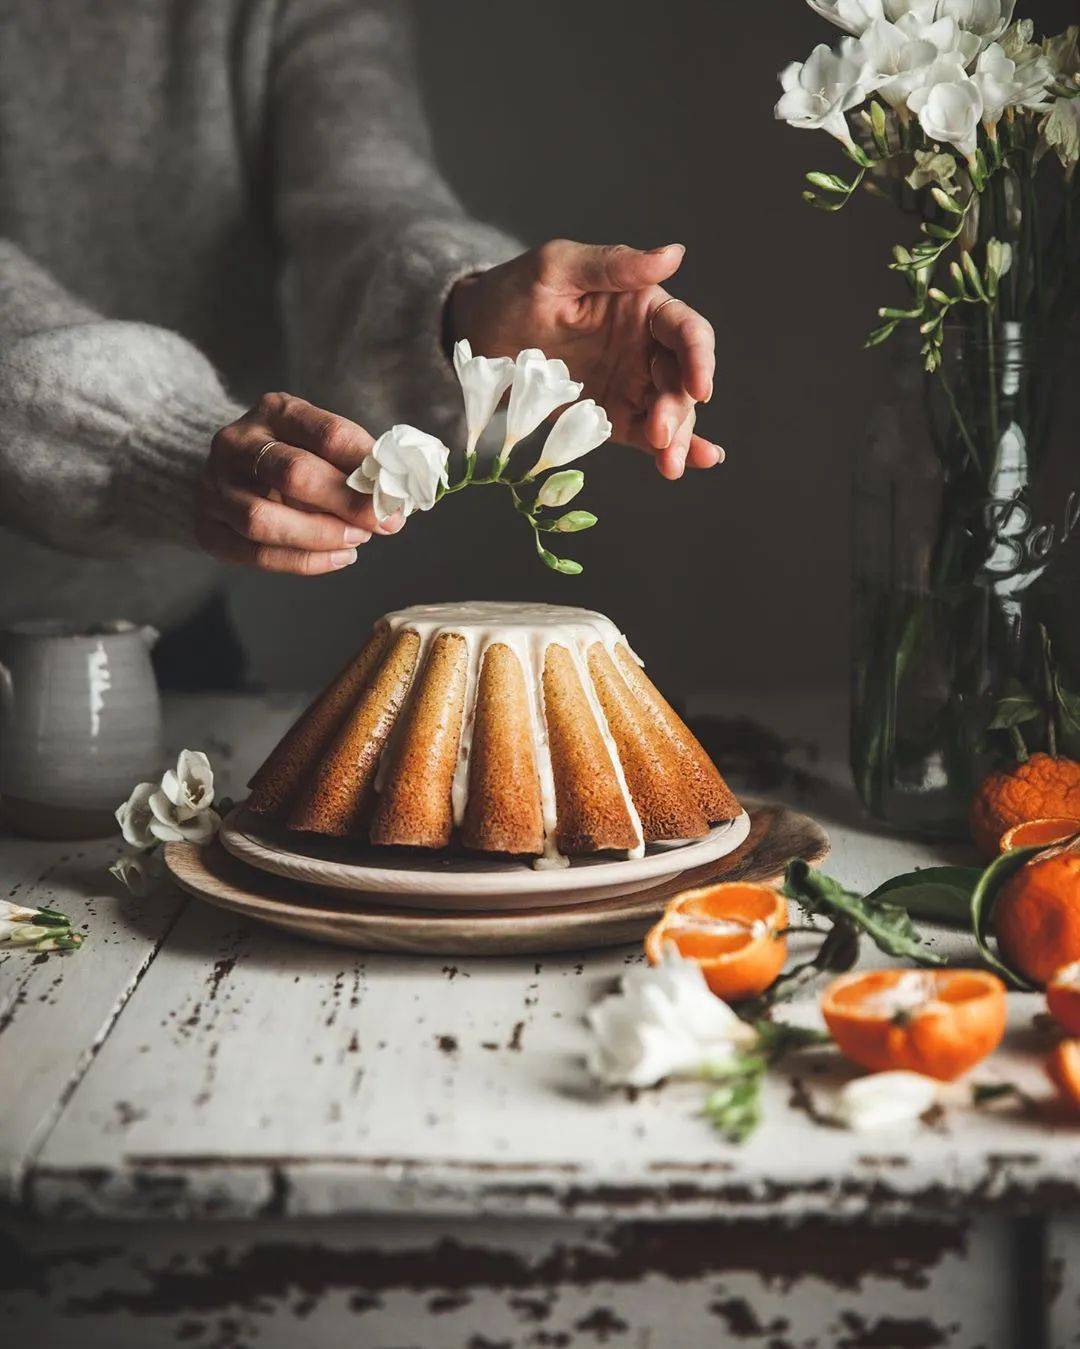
<point x="777" y="835"/>
<point x="415" y="879"/>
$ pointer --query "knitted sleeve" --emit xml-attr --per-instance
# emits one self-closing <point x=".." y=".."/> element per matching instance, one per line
<point x="106" y="425"/>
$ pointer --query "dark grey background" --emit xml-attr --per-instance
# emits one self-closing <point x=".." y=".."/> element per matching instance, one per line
<point x="646" y="123"/>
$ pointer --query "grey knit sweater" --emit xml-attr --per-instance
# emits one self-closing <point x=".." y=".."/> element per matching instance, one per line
<point x="200" y="200"/>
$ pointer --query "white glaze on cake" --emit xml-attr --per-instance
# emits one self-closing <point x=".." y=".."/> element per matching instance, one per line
<point x="528" y="630"/>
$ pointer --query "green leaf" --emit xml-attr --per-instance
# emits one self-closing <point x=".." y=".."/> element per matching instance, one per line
<point x="1069" y="709"/>
<point x="940" y="894"/>
<point x="888" y="926"/>
<point x="983" y="899"/>
<point x="1015" y="707"/>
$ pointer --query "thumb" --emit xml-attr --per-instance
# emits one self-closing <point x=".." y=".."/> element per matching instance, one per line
<point x="614" y="267"/>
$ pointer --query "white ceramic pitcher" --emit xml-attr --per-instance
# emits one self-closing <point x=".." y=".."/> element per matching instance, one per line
<point x="80" y="724"/>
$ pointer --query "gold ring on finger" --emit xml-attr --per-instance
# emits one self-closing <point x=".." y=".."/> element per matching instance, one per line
<point x="259" y="458"/>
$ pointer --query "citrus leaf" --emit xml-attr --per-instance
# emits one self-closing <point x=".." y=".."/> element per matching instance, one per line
<point x="983" y="899"/>
<point x="1014" y="708"/>
<point x="888" y="926"/>
<point x="940" y="894"/>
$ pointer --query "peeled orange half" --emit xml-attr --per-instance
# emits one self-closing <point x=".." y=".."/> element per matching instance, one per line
<point x="1063" y="997"/>
<point x="732" y="930"/>
<point x="1032" y="833"/>
<point x="937" y="1022"/>
<point x="1063" y="1066"/>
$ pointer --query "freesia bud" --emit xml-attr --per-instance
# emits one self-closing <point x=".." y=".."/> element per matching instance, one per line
<point x="561" y="488"/>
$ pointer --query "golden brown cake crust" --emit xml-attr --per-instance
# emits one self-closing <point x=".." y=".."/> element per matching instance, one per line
<point x="666" y="808"/>
<point x="298" y="752"/>
<point x="415" y="805"/>
<point x="337" y="797"/>
<point x="714" y="797"/>
<point x="503" y="812"/>
<point x="592" y="813"/>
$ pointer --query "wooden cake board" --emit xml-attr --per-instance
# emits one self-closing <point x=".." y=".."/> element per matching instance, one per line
<point x="777" y="836"/>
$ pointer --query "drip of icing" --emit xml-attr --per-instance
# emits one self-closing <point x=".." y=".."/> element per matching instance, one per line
<point x="528" y="630"/>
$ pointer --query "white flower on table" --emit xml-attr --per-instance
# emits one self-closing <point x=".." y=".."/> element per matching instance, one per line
<point x="663" y="1022"/>
<point x="949" y="106"/>
<point x="176" y="810"/>
<point x="885" y="1100"/>
<point x="539" y="387"/>
<point x="190" y="786"/>
<point x="577" y="432"/>
<point x="134" y="871"/>
<point x="484" y="380"/>
<point x="403" y="473"/>
<point x="821" y="89"/>
<point x="134" y="816"/>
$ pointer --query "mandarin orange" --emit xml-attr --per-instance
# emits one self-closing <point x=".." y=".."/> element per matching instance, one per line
<point x="733" y="931"/>
<point x="1042" y="788"/>
<point x="1063" y="1066"/>
<point x="1063" y="997"/>
<point x="937" y="1022"/>
<point x="1037" y="916"/>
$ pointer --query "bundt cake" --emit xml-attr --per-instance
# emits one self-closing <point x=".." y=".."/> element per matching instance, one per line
<point x="509" y="728"/>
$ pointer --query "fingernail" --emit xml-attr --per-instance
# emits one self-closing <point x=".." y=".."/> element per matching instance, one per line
<point x="353" y="535"/>
<point x="720" y="455"/>
<point x="392" y="524"/>
<point x="662" y="249"/>
<point x="709" y="392"/>
<point x="344" y="557"/>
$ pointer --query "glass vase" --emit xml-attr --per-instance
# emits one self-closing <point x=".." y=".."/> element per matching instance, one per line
<point x="966" y="572"/>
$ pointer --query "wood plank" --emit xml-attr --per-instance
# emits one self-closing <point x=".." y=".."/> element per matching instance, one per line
<point x="56" y="1010"/>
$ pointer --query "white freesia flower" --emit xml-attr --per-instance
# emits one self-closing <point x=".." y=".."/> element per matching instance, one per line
<point x="949" y="106"/>
<point x="167" y="826"/>
<point x="821" y="89"/>
<point x="540" y="386"/>
<point x="560" y="488"/>
<point x="856" y="16"/>
<point x="898" y="63"/>
<point x="1003" y="83"/>
<point x="16" y="913"/>
<point x="663" y="1022"/>
<point x="944" y="34"/>
<point x="884" y="1100"/>
<point x="190" y="787"/>
<point x="135" y="872"/>
<point x="134" y="816"/>
<point x="987" y="19"/>
<point x="484" y="380"/>
<point x="1017" y="43"/>
<point x="936" y="167"/>
<point x="999" y="257"/>
<point x="403" y="472"/>
<point x="579" y="430"/>
<point x="1062" y="51"/>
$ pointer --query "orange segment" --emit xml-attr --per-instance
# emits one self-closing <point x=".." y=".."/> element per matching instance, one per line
<point x="1032" y="833"/>
<point x="937" y="1022"/>
<point x="1063" y="1066"/>
<point x="732" y="931"/>
<point x="1063" y="997"/>
<point x="1037" y="916"/>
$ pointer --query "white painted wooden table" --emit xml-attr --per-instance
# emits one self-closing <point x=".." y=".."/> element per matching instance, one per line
<point x="213" y="1134"/>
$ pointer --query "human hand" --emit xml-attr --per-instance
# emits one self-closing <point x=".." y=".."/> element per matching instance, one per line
<point x="273" y="492"/>
<point x="645" y="356"/>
